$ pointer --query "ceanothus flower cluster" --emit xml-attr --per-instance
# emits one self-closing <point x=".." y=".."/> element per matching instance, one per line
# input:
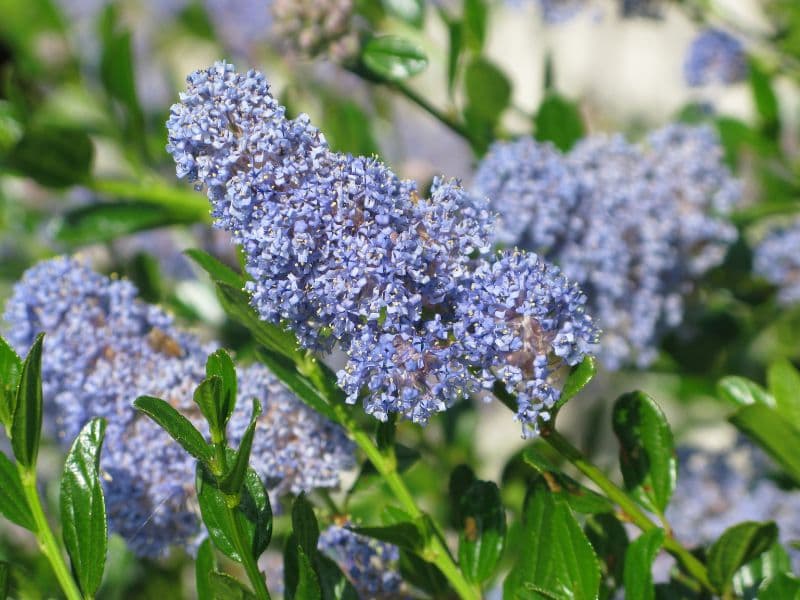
<point x="717" y="489"/>
<point x="349" y="255"/>
<point x="103" y="349"/>
<point x="777" y="259"/>
<point x="714" y="56"/>
<point x="369" y="564"/>
<point x="317" y="27"/>
<point x="633" y="225"/>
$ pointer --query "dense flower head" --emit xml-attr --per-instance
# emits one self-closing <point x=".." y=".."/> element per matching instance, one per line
<point x="349" y="255"/>
<point x="719" y="488"/>
<point x="103" y="349"/>
<point x="369" y="564"/>
<point x="777" y="259"/>
<point x="633" y="225"/>
<point x="714" y="56"/>
<point x="317" y="27"/>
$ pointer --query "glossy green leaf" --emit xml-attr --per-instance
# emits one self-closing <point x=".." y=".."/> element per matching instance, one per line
<point x="461" y="478"/>
<point x="610" y="542"/>
<point x="748" y="579"/>
<point x="219" y="364"/>
<point x="106" y="221"/>
<point x="13" y="504"/>
<point x="737" y="546"/>
<point x="488" y="90"/>
<point x="203" y="567"/>
<point x="741" y="391"/>
<point x="476" y="16"/>
<point x="225" y="587"/>
<point x="217" y="270"/>
<point x="580" y="498"/>
<point x="253" y="513"/>
<point x="423" y="575"/>
<point x="578" y="378"/>
<point x="176" y="425"/>
<point x="10" y="370"/>
<point x="647" y="450"/>
<point x="482" y="532"/>
<point x="784" y="385"/>
<point x="307" y="583"/>
<point x="559" y="120"/>
<point x="456" y="45"/>
<point x="83" y="510"/>
<point x="393" y="58"/>
<point x="638" y="574"/>
<point x="773" y="433"/>
<point x="348" y="128"/>
<point x="332" y="581"/>
<point x="554" y="558"/>
<point x="410" y="11"/>
<point x="26" y="426"/>
<point x="780" y="587"/>
<point x="304" y="525"/>
<point x="53" y="156"/>
<point x="234" y="480"/>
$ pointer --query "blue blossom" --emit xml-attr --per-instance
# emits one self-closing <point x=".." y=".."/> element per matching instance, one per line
<point x="714" y="56"/>
<point x="560" y="11"/>
<point x="719" y="488"/>
<point x="347" y="254"/>
<point x="634" y="226"/>
<point x="103" y="349"/>
<point x="777" y="259"/>
<point x="369" y="564"/>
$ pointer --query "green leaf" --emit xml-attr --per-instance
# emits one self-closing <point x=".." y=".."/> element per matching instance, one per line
<point x="781" y="587"/>
<point x="455" y="32"/>
<point x="253" y="513"/>
<point x="393" y="58"/>
<point x="232" y="482"/>
<point x="482" y="534"/>
<point x="304" y="525"/>
<point x="106" y="221"/>
<point x="218" y="271"/>
<point x="405" y="535"/>
<point x="176" y="425"/>
<point x="13" y="504"/>
<point x="347" y="128"/>
<point x="737" y="546"/>
<point x="423" y="575"/>
<point x="647" y="450"/>
<point x="410" y="11"/>
<point x="10" y="370"/>
<point x="741" y="391"/>
<point x="578" y="378"/>
<point x="476" y="13"/>
<point x="461" y="478"/>
<point x="748" y="579"/>
<point x="210" y="398"/>
<point x="639" y="559"/>
<point x="308" y="583"/>
<point x="225" y="587"/>
<point x="610" y="542"/>
<point x="580" y="498"/>
<point x="559" y="120"/>
<point x="784" y="385"/>
<point x="488" y="90"/>
<point x="765" y="100"/>
<point x="203" y="567"/>
<point x="554" y="560"/>
<point x="5" y="579"/>
<point x="83" y="510"/>
<point x="333" y="583"/>
<point x="53" y="156"/>
<point x="219" y="364"/>
<point x="26" y="426"/>
<point x="773" y="433"/>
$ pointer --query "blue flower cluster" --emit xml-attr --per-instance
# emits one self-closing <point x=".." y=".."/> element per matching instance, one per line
<point x="103" y="349"/>
<point x="719" y="488"/>
<point x="634" y="225"/>
<point x="714" y="56"/>
<point x="349" y="255"/>
<point x="560" y="11"/>
<point x="369" y="564"/>
<point x="777" y="259"/>
<point x="317" y="27"/>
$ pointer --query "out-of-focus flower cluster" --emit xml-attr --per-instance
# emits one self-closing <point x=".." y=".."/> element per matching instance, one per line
<point x="720" y="488"/>
<point x="634" y="225"/>
<point x="777" y="259"/>
<point x="715" y="56"/>
<point x="103" y="349"/>
<point x="317" y="27"/>
<point x="561" y="11"/>
<point x="347" y="254"/>
<point x="369" y="564"/>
